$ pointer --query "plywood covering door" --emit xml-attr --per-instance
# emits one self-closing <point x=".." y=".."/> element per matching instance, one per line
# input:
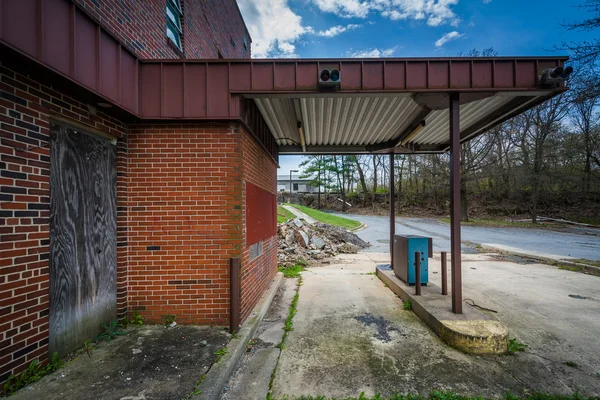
<point x="83" y="228"/>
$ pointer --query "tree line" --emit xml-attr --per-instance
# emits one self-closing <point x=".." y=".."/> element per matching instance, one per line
<point x="553" y="148"/>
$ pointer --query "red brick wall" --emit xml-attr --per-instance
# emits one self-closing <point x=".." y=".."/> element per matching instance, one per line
<point x="185" y="209"/>
<point x="260" y="170"/>
<point x="208" y="26"/>
<point x="25" y="109"/>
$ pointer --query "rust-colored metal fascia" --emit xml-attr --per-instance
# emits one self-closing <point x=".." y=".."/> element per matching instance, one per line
<point x="359" y="60"/>
<point x="22" y="63"/>
<point x="62" y="37"/>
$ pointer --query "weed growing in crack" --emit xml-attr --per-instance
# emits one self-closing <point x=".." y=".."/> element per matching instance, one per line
<point x="137" y="319"/>
<point x="220" y="353"/>
<point x="514" y="346"/>
<point x="287" y="328"/>
<point x="33" y="373"/>
<point x="111" y="331"/>
<point x="89" y="347"/>
<point x="407" y="305"/>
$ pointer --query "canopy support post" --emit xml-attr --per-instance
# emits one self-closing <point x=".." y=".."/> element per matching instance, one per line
<point x="392" y="210"/>
<point x="455" y="251"/>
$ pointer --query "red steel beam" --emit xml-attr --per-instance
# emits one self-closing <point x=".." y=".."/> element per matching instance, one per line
<point x="455" y="252"/>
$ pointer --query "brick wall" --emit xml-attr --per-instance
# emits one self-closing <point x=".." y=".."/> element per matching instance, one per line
<point x="185" y="208"/>
<point x="260" y="170"/>
<point x="25" y="111"/>
<point x="209" y="27"/>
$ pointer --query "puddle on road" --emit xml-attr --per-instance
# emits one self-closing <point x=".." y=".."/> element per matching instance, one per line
<point x="383" y="327"/>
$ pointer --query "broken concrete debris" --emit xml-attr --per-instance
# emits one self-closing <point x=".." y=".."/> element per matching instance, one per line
<point x="313" y="243"/>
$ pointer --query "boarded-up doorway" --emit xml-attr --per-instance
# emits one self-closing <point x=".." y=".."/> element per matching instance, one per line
<point x="83" y="228"/>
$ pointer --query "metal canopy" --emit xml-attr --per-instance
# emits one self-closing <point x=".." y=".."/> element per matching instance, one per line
<point x="364" y="123"/>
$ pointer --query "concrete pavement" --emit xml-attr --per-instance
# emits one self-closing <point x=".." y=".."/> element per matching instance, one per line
<point x="352" y="334"/>
<point x="301" y="215"/>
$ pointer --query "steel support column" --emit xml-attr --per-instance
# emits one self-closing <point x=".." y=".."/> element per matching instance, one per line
<point x="455" y="255"/>
<point x="392" y="211"/>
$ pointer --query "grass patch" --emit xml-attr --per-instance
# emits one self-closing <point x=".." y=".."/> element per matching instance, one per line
<point x="595" y="263"/>
<point x="283" y="215"/>
<point x="514" y="346"/>
<point x="571" y="364"/>
<point x="293" y="271"/>
<point x="445" y="395"/>
<point x="502" y="223"/>
<point x="407" y="305"/>
<point x="570" y="268"/>
<point x="328" y="218"/>
<point x="33" y="373"/>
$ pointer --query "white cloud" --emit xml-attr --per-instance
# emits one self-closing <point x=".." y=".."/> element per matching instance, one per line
<point x="345" y="8"/>
<point x="447" y="37"/>
<point x="336" y="30"/>
<point x="436" y="12"/>
<point x="274" y="27"/>
<point x="487" y="1"/>
<point x="372" y="53"/>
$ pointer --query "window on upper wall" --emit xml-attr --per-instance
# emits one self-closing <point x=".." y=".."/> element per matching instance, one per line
<point x="174" y="15"/>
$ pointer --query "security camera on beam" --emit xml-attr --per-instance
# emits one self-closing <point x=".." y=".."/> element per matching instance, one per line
<point x="554" y="76"/>
<point x="330" y="78"/>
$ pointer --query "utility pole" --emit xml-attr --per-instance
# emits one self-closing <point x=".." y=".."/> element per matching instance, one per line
<point x="291" y="187"/>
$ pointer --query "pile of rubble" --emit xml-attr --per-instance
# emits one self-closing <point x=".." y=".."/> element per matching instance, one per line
<point x="311" y="243"/>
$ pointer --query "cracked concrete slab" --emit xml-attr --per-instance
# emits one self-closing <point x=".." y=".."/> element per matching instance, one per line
<point x="332" y="352"/>
<point x="149" y="362"/>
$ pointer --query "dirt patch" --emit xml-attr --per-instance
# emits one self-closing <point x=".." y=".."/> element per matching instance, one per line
<point x="149" y="362"/>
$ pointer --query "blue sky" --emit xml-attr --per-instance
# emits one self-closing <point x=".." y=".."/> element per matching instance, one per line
<point x="407" y="28"/>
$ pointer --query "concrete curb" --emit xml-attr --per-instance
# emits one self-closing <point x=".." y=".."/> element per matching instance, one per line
<point x="219" y="373"/>
<point x="542" y="258"/>
<point x="472" y="332"/>
<point x="360" y="228"/>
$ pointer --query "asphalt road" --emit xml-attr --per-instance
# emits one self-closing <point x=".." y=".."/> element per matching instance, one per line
<point x="577" y="244"/>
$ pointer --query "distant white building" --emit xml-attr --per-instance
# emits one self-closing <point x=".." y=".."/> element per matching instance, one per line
<point x="299" y="185"/>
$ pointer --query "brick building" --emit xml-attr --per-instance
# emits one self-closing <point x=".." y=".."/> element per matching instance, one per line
<point x="139" y="148"/>
<point x="155" y="207"/>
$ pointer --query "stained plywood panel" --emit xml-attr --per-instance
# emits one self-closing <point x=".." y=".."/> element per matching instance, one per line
<point x="83" y="246"/>
<point x="261" y="214"/>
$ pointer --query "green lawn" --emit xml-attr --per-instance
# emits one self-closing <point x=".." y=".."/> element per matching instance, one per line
<point x="501" y="223"/>
<point x="283" y="215"/>
<point x="328" y="218"/>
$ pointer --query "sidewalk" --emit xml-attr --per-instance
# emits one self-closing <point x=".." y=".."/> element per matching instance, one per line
<point x="301" y="215"/>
